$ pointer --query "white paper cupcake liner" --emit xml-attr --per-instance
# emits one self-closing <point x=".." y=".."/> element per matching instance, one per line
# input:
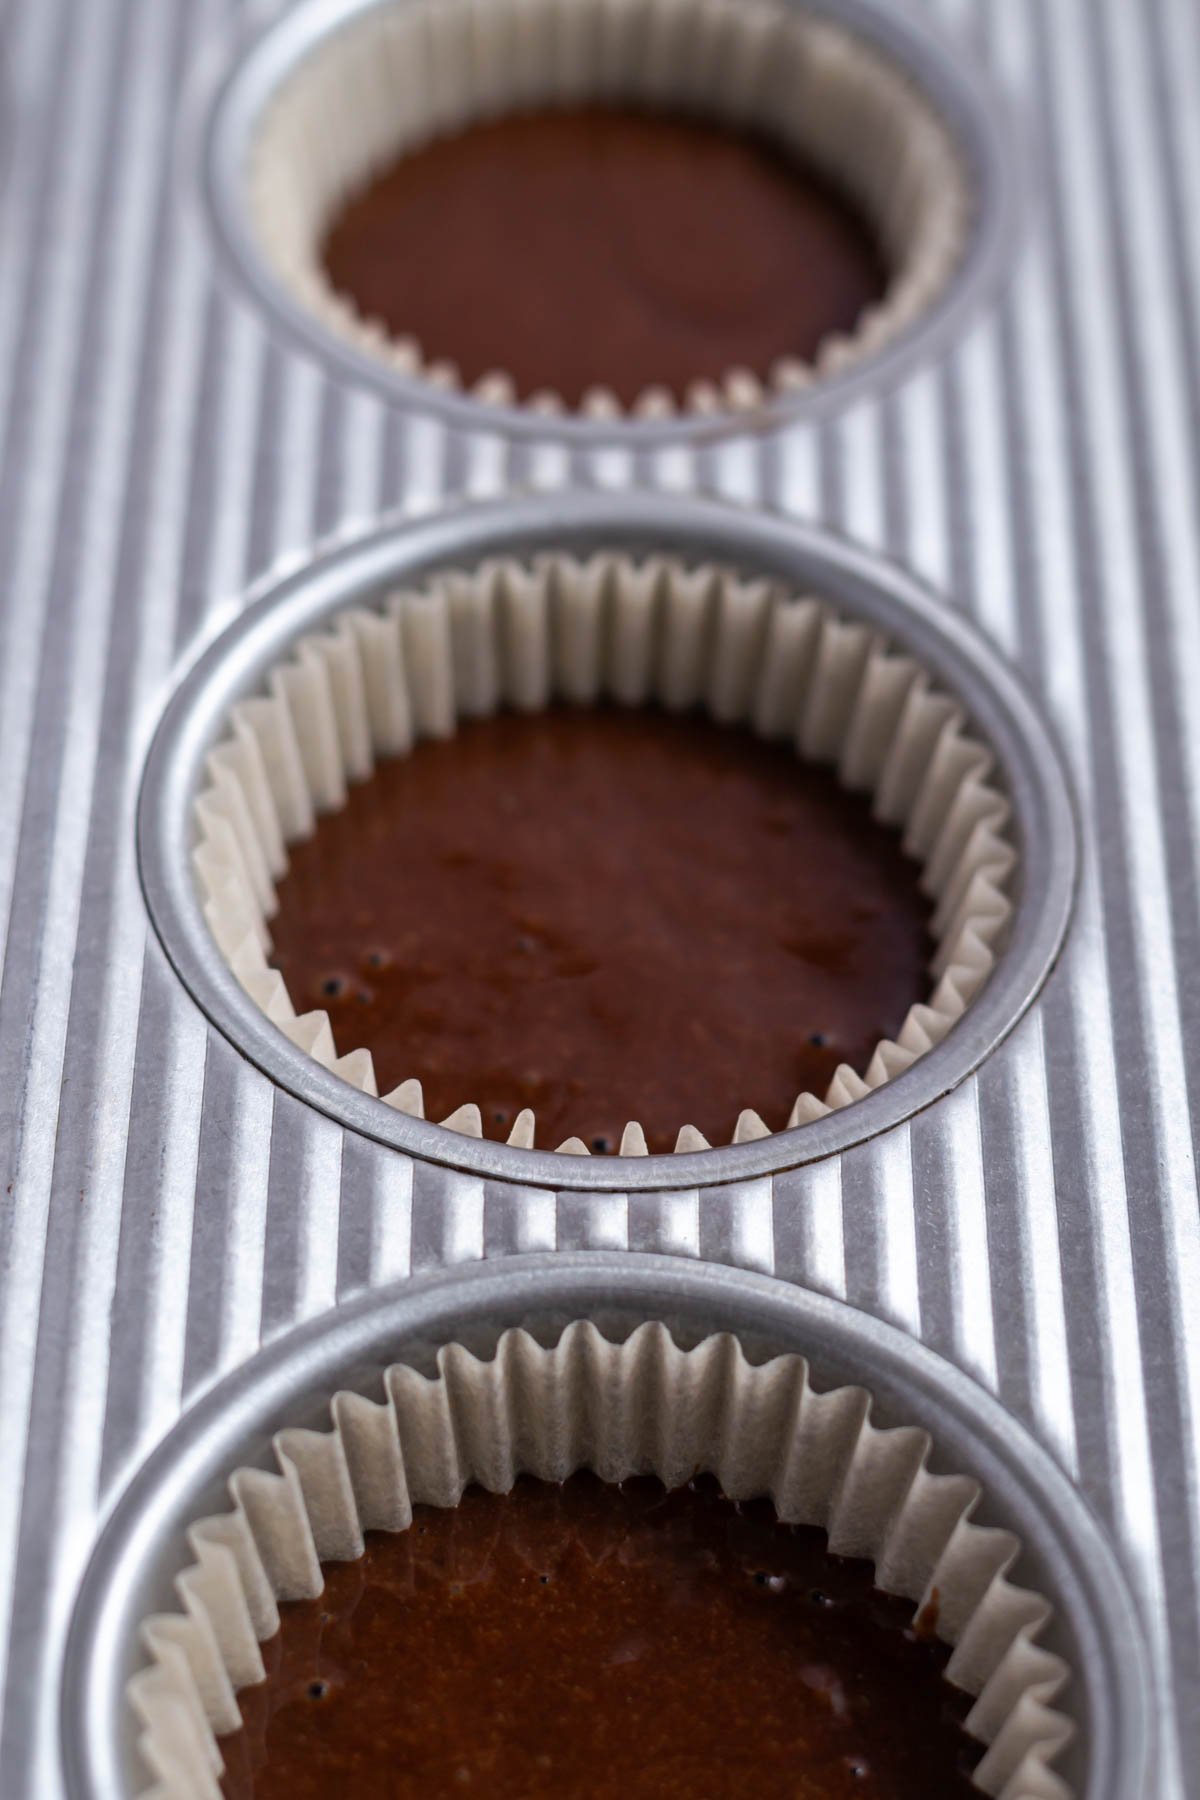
<point x="400" y="75"/>
<point x="522" y="635"/>
<point x="641" y="1407"/>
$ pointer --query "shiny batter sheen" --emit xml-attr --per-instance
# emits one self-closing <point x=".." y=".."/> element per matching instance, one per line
<point x="601" y="1643"/>
<point x="605" y="915"/>
<point x="600" y="247"/>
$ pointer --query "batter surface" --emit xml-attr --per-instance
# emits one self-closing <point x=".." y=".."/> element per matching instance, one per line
<point x="601" y="1643"/>
<point x="572" y="249"/>
<point x="605" y="915"/>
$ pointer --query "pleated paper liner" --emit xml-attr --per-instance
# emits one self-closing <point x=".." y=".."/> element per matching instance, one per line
<point x="521" y="635"/>
<point x="637" y="1408"/>
<point x="400" y="75"/>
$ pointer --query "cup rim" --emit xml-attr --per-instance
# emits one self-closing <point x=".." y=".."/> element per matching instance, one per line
<point x="400" y="550"/>
<point x="1064" y="1552"/>
<point x="976" y="114"/>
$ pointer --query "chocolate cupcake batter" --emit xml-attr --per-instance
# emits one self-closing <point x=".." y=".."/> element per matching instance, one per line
<point x="602" y="1643"/>
<point x="621" y="249"/>
<point x="605" y="915"/>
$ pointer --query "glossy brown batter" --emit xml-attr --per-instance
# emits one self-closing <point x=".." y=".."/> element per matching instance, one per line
<point x="601" y="1643"/>
<point x="571" y="249"/>
<point x="605" y="915"/>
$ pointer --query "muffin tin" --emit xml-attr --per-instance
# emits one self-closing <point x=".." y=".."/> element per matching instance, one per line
<point x="1061" y="1554"/>
<point x="181" y="1190"/>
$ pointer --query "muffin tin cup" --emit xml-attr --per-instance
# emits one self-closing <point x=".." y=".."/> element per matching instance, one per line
<point x="865" y="686"/>
<point x="869" y="101"/>
<point x="625" y="1364"/>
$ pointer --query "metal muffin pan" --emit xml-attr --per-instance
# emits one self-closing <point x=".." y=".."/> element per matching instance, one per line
<point x="1064" y="1555"/>
<point x="165" y="1207"/>
<point x="1000" y="711"/>
<point x="967" y="103"/>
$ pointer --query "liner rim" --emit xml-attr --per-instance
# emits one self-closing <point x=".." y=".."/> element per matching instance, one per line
<point x="519" y="614"/>
<point x="926" y="1522"/>
<point x="303" y="592"/>
<point x="1065" y="1552"/>
<point x="950" y="81"/>
<point x="921" y="255"/>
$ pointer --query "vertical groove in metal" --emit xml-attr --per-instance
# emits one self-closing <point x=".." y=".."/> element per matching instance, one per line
<point x="88" y="961"/>
<point x="162" y="446"/>
<point x="1128" y="823"/>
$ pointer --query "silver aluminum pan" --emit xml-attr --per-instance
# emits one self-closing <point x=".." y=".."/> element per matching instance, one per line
<point x="164" y="1209"/>
<point x="1064" y="1555"/>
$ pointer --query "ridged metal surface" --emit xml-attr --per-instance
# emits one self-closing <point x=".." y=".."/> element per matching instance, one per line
<point x="164" y="1209"/>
